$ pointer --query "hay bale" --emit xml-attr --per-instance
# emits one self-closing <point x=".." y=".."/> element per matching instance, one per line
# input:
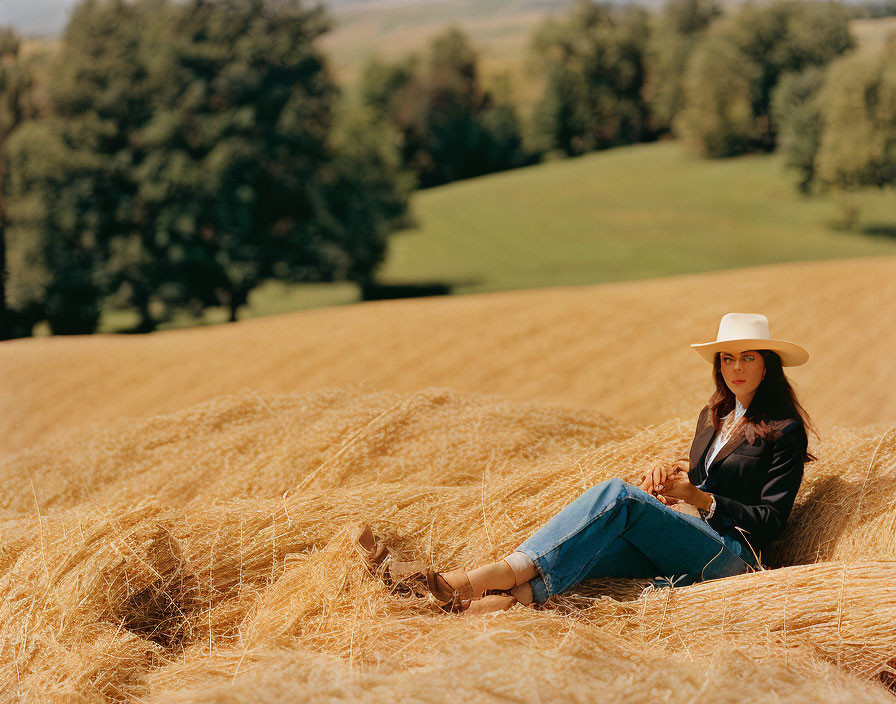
<point x="843" y="611"/>
<point x="252" y="446"/>
<point x="255" y="556"/>
<point x="505" y="657"/>
<point x="845" y="507"/>
<point x="93" y="600"/>
<point x="103" y="664"/>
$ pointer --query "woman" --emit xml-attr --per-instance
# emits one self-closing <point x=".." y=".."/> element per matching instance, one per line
<point x="741" y="478"/>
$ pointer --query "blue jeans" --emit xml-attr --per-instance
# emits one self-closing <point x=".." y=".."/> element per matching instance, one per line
<point x="617" y="530"/>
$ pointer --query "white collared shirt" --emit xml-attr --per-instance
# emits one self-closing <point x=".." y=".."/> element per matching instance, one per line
<point x="724" y="433"/>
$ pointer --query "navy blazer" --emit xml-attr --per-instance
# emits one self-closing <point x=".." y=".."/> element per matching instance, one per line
<point x="755" y="483"/>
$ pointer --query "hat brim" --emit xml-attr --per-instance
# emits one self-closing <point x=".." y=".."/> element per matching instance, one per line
<point x="791" y="354"/>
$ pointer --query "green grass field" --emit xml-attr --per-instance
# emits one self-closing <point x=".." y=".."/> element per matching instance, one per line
<point x="633" y="212"/>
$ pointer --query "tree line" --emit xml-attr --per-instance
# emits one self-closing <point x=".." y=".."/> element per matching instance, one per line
<point x="173" y="155"/>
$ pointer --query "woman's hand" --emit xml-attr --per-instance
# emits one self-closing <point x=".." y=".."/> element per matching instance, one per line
<point x="679" y="487"/>
<point x="657" y="477"/>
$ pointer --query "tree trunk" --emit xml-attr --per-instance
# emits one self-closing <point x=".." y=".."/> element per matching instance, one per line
<point x="238" y="297"/>
<point x="5" y="317"/>
<point x="141" y="302"/>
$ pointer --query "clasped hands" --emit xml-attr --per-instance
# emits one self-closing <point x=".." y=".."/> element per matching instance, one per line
<point x="668" y="482"/>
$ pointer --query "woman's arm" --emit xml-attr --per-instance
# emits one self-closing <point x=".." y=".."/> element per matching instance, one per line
<point x="765" y="521"/>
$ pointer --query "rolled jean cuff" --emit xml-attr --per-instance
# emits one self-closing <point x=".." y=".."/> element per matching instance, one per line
<point x="520" y="563"/>
<point x="540" y="590"/>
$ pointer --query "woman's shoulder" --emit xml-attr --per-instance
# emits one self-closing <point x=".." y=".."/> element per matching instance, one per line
<point x="789" y="422"/>
<point x="703" y="417"/>
<point x="789" y="429"/>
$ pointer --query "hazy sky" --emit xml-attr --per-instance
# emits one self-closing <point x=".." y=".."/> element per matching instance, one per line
<point x="48" y="17"/>
<point x="35" y="17"/>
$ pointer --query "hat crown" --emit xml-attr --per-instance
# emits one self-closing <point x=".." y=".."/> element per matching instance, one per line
<point x="743" y="326"/>
<point x="742" y="331"/>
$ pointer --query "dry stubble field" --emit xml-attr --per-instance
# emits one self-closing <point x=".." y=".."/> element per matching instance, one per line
<point x="176" y="509"/>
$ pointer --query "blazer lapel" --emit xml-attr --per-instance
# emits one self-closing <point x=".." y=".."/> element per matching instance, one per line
<point x="701" y="443"/>
<point x="737" y="438"/>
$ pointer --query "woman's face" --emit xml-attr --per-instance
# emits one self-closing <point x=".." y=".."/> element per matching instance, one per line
<point x="743" y="372"/>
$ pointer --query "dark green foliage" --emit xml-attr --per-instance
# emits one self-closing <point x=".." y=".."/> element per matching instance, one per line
<point x="765" y="42"/>
<point x="796" y="110"/>
<point x="55" y="227"/>
<point x="720" y="90"/>
<point x="449" y="126"/>
<point x="368" y="189"/>
<point x="858" y="140"/>
<point x="190" y="156"/>
<point x="675" y="32"/>
<point x="594" y="63"/>
<point x="838" y="126"/>
<point x="382" y="84"/>
<point x="18" y="103"/>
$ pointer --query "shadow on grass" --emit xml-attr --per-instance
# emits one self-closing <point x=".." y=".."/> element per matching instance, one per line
<point x="880" y="230"/>
<point x="382" y="292"/>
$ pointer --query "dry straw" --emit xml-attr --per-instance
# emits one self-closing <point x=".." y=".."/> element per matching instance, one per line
<point x="509" y="657"/>
<point x="210" y="550"/>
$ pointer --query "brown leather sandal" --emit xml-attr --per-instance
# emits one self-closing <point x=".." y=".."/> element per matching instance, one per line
<point x="373" y="551"/>
<point x="405" y="577"/>
<point x="449" y="598"/>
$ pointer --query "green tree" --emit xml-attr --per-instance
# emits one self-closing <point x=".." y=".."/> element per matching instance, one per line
<point x="382" y="84"/>
<point x="54" y="225"/>
<point x="450" y="126"/>
<point x="769" y="40"/>
<point x="674" y="33"/>
<point x="368" y="189"/>
<point x="720" y="86"/>
<point x="191" y="155"/>
<point x="561" y="118"/>
<point x="796" y="110"/>
<point x="858" y="117"/>
<point x="788" y="36"/>
<point x="594" y="64"/>
<point x="18" y="104"/>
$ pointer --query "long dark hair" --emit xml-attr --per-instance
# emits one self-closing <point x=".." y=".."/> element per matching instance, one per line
<point x="775" y="399"/>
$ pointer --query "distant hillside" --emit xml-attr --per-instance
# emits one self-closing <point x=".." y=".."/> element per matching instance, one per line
<point x="626" y="213"/>
<point x="394" y="28"/>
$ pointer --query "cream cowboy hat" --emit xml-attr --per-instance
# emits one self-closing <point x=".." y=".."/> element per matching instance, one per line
<point x="749" y="331"/>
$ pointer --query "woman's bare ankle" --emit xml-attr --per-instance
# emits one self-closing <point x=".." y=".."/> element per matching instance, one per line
<point x="493" y="576"/>
<point x="523" y="594"/>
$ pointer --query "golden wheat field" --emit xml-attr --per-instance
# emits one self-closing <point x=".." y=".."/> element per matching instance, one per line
<point x="177" y="509"/>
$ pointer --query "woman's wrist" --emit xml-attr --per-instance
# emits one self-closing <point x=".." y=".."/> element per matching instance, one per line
<point x="701" y="500"/>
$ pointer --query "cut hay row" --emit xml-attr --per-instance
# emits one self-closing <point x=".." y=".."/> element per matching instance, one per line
<point x="621" y="349"/>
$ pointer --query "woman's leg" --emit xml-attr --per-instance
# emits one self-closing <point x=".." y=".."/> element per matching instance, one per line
<point x="504" y="575"/>
<point x="617" y="530"/>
